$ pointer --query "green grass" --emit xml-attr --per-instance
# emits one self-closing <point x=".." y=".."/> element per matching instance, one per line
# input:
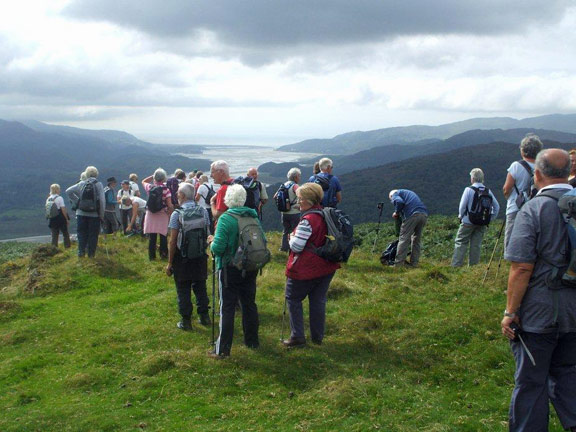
<point x="92" y="346"/>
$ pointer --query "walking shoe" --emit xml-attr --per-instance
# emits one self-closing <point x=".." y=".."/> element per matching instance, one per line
<point x="294" y="342"/>
<point x="204" y="319"/>
<point x="185" y="324"/>
<point x="215" y="356"/>
<point x="317" y="341"/>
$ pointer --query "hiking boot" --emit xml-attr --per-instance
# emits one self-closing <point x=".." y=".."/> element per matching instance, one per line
<point x="204" y="319"/>
<point x="294" y="342"/>
<point x="185" y="324"/>
<point x="215" y="356"/>
<point x="317" y="341"/>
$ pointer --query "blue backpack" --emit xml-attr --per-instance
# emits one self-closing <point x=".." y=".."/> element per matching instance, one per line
<point x="282" y="197"/>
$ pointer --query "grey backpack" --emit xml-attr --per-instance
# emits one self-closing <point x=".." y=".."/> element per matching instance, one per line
<point x="252" y="253"/>
<point x="51" y="208"/>
<point x="192" y="235"/>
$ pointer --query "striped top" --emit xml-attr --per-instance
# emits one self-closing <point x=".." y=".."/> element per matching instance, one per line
<point x="300" y="236"/>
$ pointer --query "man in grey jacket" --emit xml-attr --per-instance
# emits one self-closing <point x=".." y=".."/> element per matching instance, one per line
<point x="87" y="198"/>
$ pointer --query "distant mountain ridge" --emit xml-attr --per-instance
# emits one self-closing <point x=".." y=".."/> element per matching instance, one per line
<point x="353" y="142"/>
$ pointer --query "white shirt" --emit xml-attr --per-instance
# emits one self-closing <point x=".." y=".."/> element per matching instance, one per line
<point x="58" y="200"/>
<point x="141" y="203"/>
<point x="203" y="192"/>
<point x="134" y="186"/>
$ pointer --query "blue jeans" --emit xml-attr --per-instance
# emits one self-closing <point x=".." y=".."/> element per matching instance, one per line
<point x="88" y="230"/>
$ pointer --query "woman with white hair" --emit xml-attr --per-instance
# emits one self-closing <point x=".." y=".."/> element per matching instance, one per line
<point x="205" y="192"/>
<point x="158" y="212"/>
<point x="58" y="219"/>
<point x="234" y="283"/>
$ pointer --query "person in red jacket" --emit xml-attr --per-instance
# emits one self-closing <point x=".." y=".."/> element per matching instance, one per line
<point x="308" y="275"/>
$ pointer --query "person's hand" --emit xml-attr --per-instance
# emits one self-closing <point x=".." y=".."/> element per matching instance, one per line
<point x="169" y="269"/>
<point x="129" y="227"/>
<point x="505" y="324"/>
<point x="210" y="238"/>
<point x="395" y="215"/>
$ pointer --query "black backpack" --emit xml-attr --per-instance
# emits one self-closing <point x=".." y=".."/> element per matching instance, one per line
<point x="530" y="191"/>
<point x="89" y="200"/>
<point x="481" y="211"/>
<point x="282" y="197"/>
<point x="339" y="238"/>
<point x="192" y="235"/>
<point x="324" y="182"/>
<point x="211" y="192"/>
<point x="155" y="201"/>
<point x="172" y="184"/>
<point x="389" y="255"/>
<point x="252" y="188"/>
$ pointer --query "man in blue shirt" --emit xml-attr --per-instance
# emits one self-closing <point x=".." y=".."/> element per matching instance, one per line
<point x="414" y="214"/>
<point x="110" y="219"/>
<point x="329" y="183"/>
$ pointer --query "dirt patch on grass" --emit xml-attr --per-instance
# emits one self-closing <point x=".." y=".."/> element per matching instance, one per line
<point x="437" y="275"/>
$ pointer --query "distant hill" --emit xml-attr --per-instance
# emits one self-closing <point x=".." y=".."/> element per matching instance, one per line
<point x="354" y="142"/>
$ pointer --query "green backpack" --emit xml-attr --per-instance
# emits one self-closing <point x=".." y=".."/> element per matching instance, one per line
<point x="252" y="253"/>
<point x="192" y="236"/>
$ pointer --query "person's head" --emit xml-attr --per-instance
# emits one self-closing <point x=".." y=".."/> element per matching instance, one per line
<point x="552" y="166"/>
<point x="476" y="176"/>
<point x="186" y="192"/>
<point x="316" y="168"/>
<point x="252" y="172"/>
<point x="325" y="165"/>
<point x="219" y="171"/>
<point x="392" y="193"/>
<point x="309" y="195"/>
<point x="198" y="174"/>
<point x="180" y="174"/>
<point x="160" y="175"/>
<point x="83" y="176"/>
<point x="111" y="181"/>
<point x="126" y="200"/>
<point x="125" y="185"/>
<point x="294" y="175"/>
<point x="530" y="146"/>
<point x="133" y="177"/>
<point x="235" y="196"/>
<point x="55" y="189"/>
<point x="91" y="172"/>
<point x="572" y="154"/>
<point x="203" y="179"/>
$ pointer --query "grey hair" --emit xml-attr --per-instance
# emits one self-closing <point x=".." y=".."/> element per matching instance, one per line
<point x="55" y="189"/>
<point x="293" y="173"/>
<point x="221" y="165"/>
<point x="83" y="176"/>
<point x="531" y="145"/>
<point x="187" y="190"/>
<point x="392" y="192"/>
<point x="160" y="175"/>
<point x="325" y="163"/>
<point x="204" y="179"/>
<point x="548" y="170"/>
<point x="477" y="175"/>
<point x="126" y="200"/>
<point x="235" y="196"/>
<point x="180" y="174"/>
<point x="91" y="171"/>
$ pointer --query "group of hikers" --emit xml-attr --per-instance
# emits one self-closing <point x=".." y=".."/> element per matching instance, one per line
<point x="224" y="215"/>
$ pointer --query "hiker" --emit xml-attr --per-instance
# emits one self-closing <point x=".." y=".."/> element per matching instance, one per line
<point x="134" y="184"/>
<point x="138" y="215"/>
<point x="478" y="206"/>
<point x="263" y="194"/>
<point x="307" y="274"/>
<point x="220" y="172"/>
<point x="110" y="225"/>
<point x="572" y="177"/>
<point x="411" y="210"/>
<point x="538" y="303"/>
<point x="316" y="168"/>
<point x="187" y="258"/>
<point x="158" y="210"/>
<point x="289" y="206"/>
<point x="87" y="197"/>
<point x="203" y="196"/>
<point x="58" y="218"/>
<point x="173" y="183"/>
<point x="329" y="183"/>
<point x="125" y="209"/>
<point x="235" y="284"/>
<point x="518" y="183"/>
<point x="192" y="179"/>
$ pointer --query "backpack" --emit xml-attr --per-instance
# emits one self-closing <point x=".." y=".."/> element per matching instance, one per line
<point x="192" y="235"/>
<point x="252" y="188"/>
<point x="89" y="200"/>
<point x="329" y="191"/>
<point x="389" y="255"/>
<point x="155" y="201"/>
<point x="172" y="184"/>
<point x="324" y="182"/>
<point x="530" y="191"/>
<point x="339" y="238"/>
<point x="51" y="209"/>
<point x="211" y="192"/>
<point x="252" y="253"/>
<point x="282" y="197"/>
<point x="481" y="211"/>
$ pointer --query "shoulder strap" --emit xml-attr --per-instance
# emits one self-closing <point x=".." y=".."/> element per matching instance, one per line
<point x="526" y="167"/>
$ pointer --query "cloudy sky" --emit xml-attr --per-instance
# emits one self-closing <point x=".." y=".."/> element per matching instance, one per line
<point x="277" y="71"/>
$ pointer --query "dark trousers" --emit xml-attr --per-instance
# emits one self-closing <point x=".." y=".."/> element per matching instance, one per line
<point x="88" y="230"/>
<point x="125" y="216"/>
<point x="152" y="246"/>
<point x="63" y="228"/>
<point x="234" y="287"/>
<point x="211" y="218"/>
<point x="289" y="222"/>
<point x="553" y="379"/>
<point x="184" y="290"/>
<point x="316" y="290"/>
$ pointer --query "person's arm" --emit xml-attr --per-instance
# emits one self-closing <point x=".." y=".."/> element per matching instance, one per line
<point x="147" y="180"/>
<point x="463" y="204"/>
<point x="100" y="190"/>
<point x="220" y="241"/>
<point x="508" y="186"/>
<point x="169" y="205"/>
<point x="263" y="194"/>
<point x="398" y="206"/>
<point x="300" y="237"/>
<point x="495" y="206"/>
<point x="65" y="214"/>
<point x="517" y="284"/>
<point x="339" y="197"/>
<point x="171" y="250"/>
<point x="135" y="207"/>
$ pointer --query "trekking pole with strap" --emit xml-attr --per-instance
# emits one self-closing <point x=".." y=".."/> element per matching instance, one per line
<point x="381" y="207"/>
<point x="213" y="299"/>
<point x="493" y="251"/>
<point x="283" y="319"/>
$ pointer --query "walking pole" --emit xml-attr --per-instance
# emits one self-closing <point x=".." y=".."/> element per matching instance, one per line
<point x="493" y="252"/>
<point x="380" y="207"/>
<point x="283" y="318"/>
<point x="213" y="299"/>
<point x="500" y="262"/>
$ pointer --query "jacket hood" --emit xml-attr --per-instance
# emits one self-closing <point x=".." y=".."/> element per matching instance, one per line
<point x="243" y="211"/>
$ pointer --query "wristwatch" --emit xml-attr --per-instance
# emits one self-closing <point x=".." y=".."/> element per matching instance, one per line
<point x="509" y="314"/>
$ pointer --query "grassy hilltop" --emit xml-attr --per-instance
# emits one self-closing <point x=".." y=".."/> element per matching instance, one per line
<point x="92" y="345"/>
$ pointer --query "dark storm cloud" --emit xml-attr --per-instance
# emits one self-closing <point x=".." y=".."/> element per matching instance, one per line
<point x="268" y="24"/>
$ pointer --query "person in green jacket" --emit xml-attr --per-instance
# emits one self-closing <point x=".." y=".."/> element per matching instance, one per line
<point x="234" y="284"/>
